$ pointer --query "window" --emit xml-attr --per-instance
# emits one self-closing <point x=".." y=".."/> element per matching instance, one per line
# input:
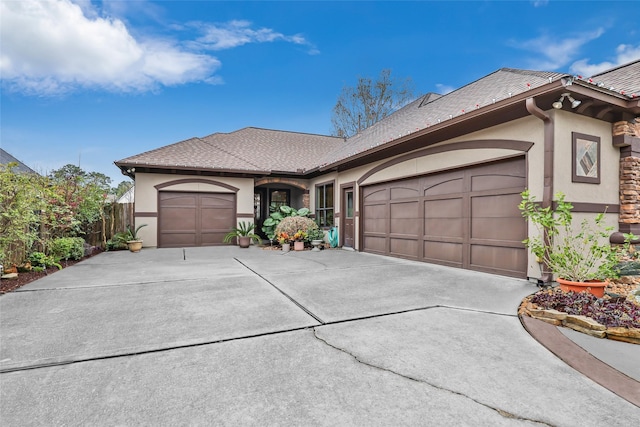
<point x="278" y="198"/>
<point x="324" y="205"/>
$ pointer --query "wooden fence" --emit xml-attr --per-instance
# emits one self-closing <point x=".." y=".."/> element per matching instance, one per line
<point x="117" y="217"/>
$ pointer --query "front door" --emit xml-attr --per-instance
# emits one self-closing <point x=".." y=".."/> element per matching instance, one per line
<point x="348" y="227"/>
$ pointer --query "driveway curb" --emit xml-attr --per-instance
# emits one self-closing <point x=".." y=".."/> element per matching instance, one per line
<point x="580" y="360"/>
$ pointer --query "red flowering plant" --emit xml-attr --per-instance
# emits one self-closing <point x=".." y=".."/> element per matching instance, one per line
<point x="283" y="238"/>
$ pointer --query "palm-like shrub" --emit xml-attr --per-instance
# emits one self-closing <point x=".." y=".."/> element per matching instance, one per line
<point x="294" y="224"/>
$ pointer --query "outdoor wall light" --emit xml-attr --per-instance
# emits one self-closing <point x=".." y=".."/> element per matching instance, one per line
<point x="574" y="102"/>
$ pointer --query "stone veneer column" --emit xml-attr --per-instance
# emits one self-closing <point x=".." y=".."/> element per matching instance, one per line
<point x="626" y="136"/>
<point x="305" y="199"/>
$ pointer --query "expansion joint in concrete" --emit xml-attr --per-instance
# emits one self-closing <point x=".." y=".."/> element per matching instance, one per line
<point x="502" y="412"/>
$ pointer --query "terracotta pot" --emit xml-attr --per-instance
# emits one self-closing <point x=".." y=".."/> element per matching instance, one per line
<point x="594" y="287"/>
<point x="244" y="241"/>
<point x="298" y="246"/>
<point x="134" y="245"/>
<point x="286" y="247"/>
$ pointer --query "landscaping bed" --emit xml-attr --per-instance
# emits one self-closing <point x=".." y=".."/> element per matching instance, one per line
<point x="24" y="278"/>
<point x="615" y="316"/>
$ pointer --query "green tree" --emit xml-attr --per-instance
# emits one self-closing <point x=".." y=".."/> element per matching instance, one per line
<point x="21" y="200"/>
<point x="369" y="102"/>
<point x="122" y="188"/>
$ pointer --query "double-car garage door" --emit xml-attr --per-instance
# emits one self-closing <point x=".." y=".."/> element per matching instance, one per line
<point x="465" y="218"/>
<point x="188" y="219"/>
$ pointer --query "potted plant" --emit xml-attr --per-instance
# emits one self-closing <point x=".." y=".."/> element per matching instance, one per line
<point x="284" y="240"/>
<point x="316" y="236"/>
<point x="244" y="233"/>
<point x="581" y="258"/>
<point x="132" y="239"/>
<point x="299" y="238"/>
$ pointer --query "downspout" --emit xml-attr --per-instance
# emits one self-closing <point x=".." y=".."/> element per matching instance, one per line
<point x="547" y="190"/>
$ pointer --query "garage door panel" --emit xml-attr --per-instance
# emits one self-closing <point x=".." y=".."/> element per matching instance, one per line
<point x="374" y="194"/>
<point x="444" y="227"/>
<point x="468" y="218"/>
<point x="496" y="182"/>
<point x="406" y="248"/>
<point x="376" y="244"/>
<point x="403" y="192"/>
<point x="376" y="219"/>
<point x="405" y="218"/>
<point x="188" y="219"/>
<point x="499" y="206"/>
<point x="442" y="252"/>
<point x="509" y="229"/>
<point x="501" y="260"/>
<point x="438" y="187"/>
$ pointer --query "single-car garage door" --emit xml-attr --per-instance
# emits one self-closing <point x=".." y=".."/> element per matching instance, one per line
<point x="465" y="218"/>
<point x="194" y="219"/>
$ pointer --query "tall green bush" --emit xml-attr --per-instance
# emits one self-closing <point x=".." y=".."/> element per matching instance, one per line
<point x="66" y="248"/>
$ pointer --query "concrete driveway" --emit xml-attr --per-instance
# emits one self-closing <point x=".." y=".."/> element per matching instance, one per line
<point x="226" y="336"/>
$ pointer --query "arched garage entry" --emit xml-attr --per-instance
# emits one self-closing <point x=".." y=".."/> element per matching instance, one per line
<point x="195" y="218"/>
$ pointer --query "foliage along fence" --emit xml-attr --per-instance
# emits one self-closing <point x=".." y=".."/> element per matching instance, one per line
<point x="117" y="217"/>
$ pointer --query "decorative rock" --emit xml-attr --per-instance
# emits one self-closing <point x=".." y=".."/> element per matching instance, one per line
<point x="548" y="314"/>
<point x="10" y="276"/>
<point x="554" y="322"/>
<point x="597" y="334"/>
<point x="584" y="323"/>
<point x="624" y="332"/>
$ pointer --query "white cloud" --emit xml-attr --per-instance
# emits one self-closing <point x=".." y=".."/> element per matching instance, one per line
<point x="444" y="89"/>
<point x="50" y="47"/>
<point x="557" y="52"/>
<point x="539" y="3"/>
<point x="624" y="54"/>
<point x="239" y="32"/>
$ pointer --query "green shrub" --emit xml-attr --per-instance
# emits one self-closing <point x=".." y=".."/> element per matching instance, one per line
<point x="293" y="224"/>
<point x="40" y="260"/>
<point x="67" y="248"/>
<point x="118" y="242"/>
<point x="277" y="215"/>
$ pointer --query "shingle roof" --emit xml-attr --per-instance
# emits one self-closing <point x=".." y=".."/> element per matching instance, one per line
<point x="430" y="110"/>
<point x="263" y="150"/>
<point x="6" y="158"/>
<point x="249" y="149"/>
<point x="625" y="78"/>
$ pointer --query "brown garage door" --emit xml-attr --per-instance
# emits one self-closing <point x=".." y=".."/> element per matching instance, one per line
<point x="465" y="218"/>
<point x="194" y="219"/>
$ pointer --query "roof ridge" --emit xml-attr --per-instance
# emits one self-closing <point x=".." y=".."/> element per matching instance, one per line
<point x="217" y="147"/>
<point x="616" y="68"/>
<point x="286" y="131"/>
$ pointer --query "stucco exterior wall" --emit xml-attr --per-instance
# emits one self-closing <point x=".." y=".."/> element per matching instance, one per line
<point x="528" y="129"/>
<point x="608" y="189"/>
<point x="146" y="202"/>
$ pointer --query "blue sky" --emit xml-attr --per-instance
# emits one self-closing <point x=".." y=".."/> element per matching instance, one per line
<point x="92" y="82"/>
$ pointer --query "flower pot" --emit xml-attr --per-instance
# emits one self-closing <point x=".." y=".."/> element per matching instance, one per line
<point x="594" y="287"/>
<point x="298" y="246"/>
<point x="134" y="245"/>
<point x="244" y="241"/>
<point x="286" y="247"/>
<point x="315" y="244"/>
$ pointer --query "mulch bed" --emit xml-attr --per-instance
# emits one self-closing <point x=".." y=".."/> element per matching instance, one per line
<point x="8" y="285"/>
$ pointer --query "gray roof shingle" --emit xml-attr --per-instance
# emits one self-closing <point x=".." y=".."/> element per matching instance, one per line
<point x="264" y="150"/>
<point x="249" y="149"/>
<point x="6" y="158"/>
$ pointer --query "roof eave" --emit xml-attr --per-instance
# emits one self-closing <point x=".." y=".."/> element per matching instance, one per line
<point x="455" y="121"/>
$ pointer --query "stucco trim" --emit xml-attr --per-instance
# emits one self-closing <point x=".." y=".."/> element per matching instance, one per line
<point x="198" y="181"/>
<point x="146" y="214"/>
<point x="276" y="180"/>
<point x="521" y="146"/>
<point x="244" y="215"/>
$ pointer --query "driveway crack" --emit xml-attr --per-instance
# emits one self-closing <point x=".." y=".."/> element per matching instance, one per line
<point x="502" y="412"/>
